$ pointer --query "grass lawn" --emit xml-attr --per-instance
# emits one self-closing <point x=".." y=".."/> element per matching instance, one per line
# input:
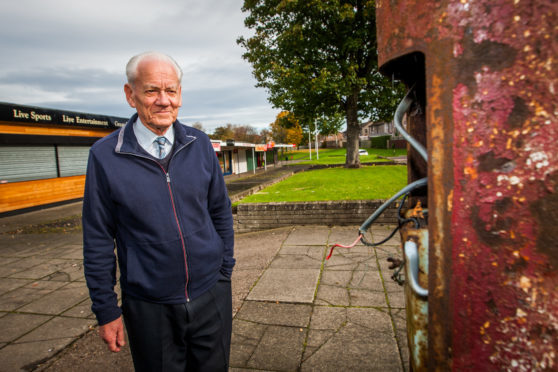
<point x="369" y="182"/>
<point x="337" y="156"/>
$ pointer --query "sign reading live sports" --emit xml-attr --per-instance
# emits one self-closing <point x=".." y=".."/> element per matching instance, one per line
<point x="39" y="115"/>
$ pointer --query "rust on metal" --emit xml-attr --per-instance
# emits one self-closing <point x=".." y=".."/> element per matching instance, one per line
<point x="417" y="306"/>
<point x="491" y="77"/>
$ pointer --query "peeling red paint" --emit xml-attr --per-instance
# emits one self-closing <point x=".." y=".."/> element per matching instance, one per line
<point x="503" y="298"/>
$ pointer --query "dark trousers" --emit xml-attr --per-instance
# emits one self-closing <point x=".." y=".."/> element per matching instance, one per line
<point x="194" y="336"/>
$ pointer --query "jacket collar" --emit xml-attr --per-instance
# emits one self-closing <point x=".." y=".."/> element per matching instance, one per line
<point x="128" y="143"/>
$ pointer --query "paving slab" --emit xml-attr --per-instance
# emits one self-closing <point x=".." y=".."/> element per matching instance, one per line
<point x="279" y="349"/>
<point x="351" y="338"/>
<point x="80" y="310"/>
<point x="58" y="327"/>
<point x="25" y="245"/>
<point x="27" y="356"/>
<point x="47" y="267"/>
<point x="297" y="261"/>
<point x="289" y="315"/>
<point x="355" y="348"/>
<point x="254" y="253"/>
<point x="399" y="317"/>
<point x="16" y="325"/>
<point x="21" y="265"/>
<point x="246" y="336"/>
<point x="59" y="300"/>
<point x="308" y="235"/>
<point x="287" y="285"/>
<point x="42" y="343"/>
<point x="8" y="284"/>
<point x="31" y="292"/>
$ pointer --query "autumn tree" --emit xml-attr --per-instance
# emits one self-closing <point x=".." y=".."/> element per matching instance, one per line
<point x="318" y="58"/>
<point x="286" y="129"/>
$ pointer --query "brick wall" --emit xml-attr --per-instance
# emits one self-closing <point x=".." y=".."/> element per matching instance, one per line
<point x="262" y="216"/>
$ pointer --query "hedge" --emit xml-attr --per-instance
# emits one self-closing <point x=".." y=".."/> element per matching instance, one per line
<point x="379" y="142"/>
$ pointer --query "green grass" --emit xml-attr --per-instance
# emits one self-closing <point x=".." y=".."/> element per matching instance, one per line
<point x="337" y="156"/>
<point x="369" y="182"/>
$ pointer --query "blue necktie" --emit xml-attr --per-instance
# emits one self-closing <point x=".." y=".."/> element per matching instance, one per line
<point x="161" y="143"/>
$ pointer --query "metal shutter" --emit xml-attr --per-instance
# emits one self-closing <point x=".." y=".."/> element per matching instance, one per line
<point x="72" y="160"/>
<point x="25" y="163"/>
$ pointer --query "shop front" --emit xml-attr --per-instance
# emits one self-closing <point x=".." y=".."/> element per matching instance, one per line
<point x="234" y="157"/>
<point x="43" y="154"/>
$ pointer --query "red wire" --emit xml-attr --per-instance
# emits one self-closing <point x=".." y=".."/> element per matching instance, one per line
<point x="343" y="246"/>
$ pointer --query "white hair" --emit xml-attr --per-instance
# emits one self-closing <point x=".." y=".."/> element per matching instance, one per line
<point x="132" y="66"/>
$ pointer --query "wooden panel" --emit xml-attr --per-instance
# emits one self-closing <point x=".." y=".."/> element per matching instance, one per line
<point x="27" y="194"/>
<point x="52" y="131"/>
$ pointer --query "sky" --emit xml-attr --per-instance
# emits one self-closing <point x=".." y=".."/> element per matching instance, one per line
<point x="71" y="55"/>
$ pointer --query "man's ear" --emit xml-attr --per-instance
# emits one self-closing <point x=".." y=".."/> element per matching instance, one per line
<point x="129" y="95"/>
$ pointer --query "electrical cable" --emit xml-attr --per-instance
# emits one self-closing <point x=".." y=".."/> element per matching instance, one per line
<point x="403" y="106"/>
<point x="410" y="187"/>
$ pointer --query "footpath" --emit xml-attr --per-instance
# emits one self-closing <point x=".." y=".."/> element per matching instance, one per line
<point x="293" y="310"/>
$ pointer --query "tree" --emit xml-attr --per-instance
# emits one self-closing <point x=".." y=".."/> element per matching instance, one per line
<point x="330" y="125"/>
<point x="265" y="135"/>
<point x="286" y="129"/>
<point x="198" y="125"/>
<point x="240" y="133"/>
<point x="223" y="133"/>
<point x="246" y="133"/>
<point x="317" y="58"/>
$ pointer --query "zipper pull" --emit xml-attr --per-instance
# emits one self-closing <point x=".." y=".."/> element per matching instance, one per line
<point x="168" y="178"/>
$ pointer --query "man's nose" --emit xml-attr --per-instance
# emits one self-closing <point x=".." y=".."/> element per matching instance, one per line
<point x="163" y="99"/>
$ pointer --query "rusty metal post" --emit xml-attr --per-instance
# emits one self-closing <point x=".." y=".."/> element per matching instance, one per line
<point x="490" y="75"/>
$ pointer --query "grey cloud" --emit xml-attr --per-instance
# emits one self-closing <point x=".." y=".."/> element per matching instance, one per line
<point x="73" y="56"/>
<point x="62" y="79"/>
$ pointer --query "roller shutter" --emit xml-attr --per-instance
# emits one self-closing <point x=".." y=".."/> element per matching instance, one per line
<point x="25" y="163"/>
<point x="72" y="160"/>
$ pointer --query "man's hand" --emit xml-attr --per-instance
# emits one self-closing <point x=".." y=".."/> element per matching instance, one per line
<point x="113" y="334"/>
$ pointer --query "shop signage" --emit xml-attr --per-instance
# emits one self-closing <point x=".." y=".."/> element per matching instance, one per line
<point x="216" y="146"/>
<point x="38" y="115"/>
<point x="261" y="147"/>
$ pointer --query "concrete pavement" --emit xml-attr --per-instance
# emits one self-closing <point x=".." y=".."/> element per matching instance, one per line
<point x="293" y="310"/>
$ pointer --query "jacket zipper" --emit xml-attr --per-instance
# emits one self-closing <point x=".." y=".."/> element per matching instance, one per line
<point x="177" y="220"/>
<point x="179" y="232"/>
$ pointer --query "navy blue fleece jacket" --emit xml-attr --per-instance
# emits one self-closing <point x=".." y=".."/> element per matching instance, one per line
<point x="172" y="231"/>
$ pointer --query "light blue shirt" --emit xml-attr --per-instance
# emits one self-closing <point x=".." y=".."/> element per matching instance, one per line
<point x="146" y="138"/>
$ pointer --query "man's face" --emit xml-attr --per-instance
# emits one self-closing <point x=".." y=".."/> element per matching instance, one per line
<point x="156" y="94"/>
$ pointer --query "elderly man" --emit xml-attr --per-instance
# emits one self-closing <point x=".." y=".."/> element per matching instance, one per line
<point x="155" y="191"/>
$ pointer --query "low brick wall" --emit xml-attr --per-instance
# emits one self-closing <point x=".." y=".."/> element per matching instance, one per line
<point x="262" y="216"/>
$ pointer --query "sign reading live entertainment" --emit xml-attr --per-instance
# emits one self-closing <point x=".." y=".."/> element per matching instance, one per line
<point x="38" y="115"/>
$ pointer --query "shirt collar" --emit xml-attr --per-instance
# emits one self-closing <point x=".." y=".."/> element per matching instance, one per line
<point x="146" y="137"/>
